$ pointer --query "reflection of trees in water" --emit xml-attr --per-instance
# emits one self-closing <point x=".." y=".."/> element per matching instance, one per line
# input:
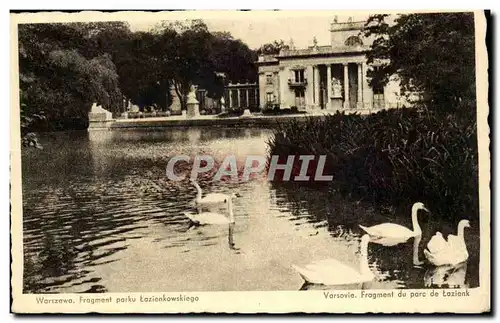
<point x="80" y="231"/>
<point x="178" y="135"/>
<point x="393" y="263"/>
<point x="321" y="204"/>
<point x="68" y="153"/>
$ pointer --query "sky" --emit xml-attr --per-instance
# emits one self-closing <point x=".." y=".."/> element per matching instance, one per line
<point x="256" y="29"/>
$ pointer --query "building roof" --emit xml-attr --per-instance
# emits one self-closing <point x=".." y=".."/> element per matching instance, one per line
<point x="263" y="59"/>
<point x="349" y="25"/>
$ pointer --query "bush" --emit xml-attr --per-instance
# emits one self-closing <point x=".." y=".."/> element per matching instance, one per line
<point x="277" y="111"/>
<point x="294" y="109"/>
<point x="393" y="157"/>
<point x="255" y="109"/>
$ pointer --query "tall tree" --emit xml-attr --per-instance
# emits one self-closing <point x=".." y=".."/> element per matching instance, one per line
<point x="56" y="78"/>
<point x="432" y="54"/>
<point x="272" y="48"/>
<point x="144" y="70"/>
<point x="234" y="58"/>
<point x="190" y="55"/>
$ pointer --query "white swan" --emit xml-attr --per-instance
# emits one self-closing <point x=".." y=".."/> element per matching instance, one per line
<point x="394" y="232"/>
<point x="452" y="251"/>
<point x="204" y="218"/>
<point x="211" y="199"/>
<point x="333" y="272"/>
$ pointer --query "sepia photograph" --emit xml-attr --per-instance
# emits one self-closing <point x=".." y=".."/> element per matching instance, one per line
<point x="339" y="158"/>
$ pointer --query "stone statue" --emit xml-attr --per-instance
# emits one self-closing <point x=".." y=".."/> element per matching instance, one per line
<point x="336" y="88"/>
<point x="335" y="19"/>
<point x="193" y="109"/>
<point x="191" y="97"/>
<point x="315" y="42"/>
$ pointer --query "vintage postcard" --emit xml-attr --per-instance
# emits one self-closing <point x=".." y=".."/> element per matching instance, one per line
<point x="250" y="162"/>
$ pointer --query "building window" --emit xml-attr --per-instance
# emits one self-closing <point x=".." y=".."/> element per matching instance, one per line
<point x="299" y="98"/>
<point x="378" y="98"/>
<point x="269" y="97"/>
<point x="299" y="76"/>
<point x="269" y="79"/>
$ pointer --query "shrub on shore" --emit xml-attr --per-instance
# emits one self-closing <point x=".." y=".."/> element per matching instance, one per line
<point x="393" y="157"/>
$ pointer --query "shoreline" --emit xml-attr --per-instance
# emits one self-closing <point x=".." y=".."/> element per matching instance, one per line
<point x="166" y="122"/>
<point x="203" y="121"/>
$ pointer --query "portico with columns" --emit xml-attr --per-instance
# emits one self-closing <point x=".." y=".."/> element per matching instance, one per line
<point x="241" y="95"/>
<point x="334" y="83"/>
<point x="332" y="77"/>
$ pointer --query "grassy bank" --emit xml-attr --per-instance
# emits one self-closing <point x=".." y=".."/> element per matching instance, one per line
<point x="394" y="157"/>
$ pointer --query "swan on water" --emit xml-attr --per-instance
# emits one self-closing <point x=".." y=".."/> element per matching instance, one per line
<point x="211" y="199"/>
<point x="204" y="218"/>
<point x="333" y="272"/>
<point x="452" y="251"/>
<point x="394" y="232"/>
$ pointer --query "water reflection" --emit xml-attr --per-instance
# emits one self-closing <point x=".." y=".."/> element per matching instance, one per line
<point x="397" y="264"/>
<point x="100" y="216"/>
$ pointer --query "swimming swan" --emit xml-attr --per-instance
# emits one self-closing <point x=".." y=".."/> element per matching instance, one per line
<point x="397" y="232"/>
<point x="204" y="218"/>
<point x="211" y="199"/>
<point x="333" y="272"/>
<point x="453" y="251"/>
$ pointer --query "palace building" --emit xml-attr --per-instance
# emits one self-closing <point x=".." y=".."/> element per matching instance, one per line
<point x="331" y="77"/>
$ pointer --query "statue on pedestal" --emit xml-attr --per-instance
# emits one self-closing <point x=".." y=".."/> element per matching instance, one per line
<point x="193" y="109"/>
<point x="336" y="88"/>
<point x="191" y="97"/>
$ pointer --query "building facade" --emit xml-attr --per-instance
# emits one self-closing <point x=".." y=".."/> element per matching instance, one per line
<point x="332" y="77"/>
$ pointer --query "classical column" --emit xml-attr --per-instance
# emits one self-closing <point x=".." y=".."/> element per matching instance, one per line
<point x="316" y="84"/>
<point x="230" y="96"/>
<point x="328" y="84"/>
<point x="346" y="86"/>
<point x="360" y="86"/>
<point x="309" y="90"/>
<point x="239" y="99"/>
<point x="283" y="79"/>
<point x="367" y="91"/>
<point x="248" y="102"/>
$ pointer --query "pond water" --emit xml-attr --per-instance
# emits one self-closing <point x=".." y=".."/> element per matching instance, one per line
<point x="100" y="215"/>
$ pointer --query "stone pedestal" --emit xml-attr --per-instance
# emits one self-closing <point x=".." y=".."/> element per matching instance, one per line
<point x="246" y="113"/>
<point x="99" y="118"/>
<point x="193" y="107"/>
<point x="337" y="103"/>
